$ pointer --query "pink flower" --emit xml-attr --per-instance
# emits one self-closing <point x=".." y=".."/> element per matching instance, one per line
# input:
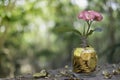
<point x="90" y="16"/>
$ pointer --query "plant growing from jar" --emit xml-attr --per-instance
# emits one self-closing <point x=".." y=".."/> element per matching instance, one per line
<point x="84" y="58"/>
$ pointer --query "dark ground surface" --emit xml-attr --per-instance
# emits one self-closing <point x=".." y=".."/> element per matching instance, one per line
<point x="105" y="72"/>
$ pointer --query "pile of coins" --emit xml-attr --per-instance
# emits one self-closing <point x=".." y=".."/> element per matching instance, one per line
<point x="108" y="75"/>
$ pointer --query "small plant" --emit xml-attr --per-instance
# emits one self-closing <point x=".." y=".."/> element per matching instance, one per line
<point x="89" y="17"/>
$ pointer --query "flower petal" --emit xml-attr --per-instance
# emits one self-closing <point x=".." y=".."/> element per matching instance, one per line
<point x="90" y="15"/>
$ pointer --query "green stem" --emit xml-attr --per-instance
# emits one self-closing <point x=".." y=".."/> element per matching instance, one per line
<point x="89" y="24"/>
<point x="84" y="30"/>
<point x="84" y="42"/>
<point x="85" y="34"/>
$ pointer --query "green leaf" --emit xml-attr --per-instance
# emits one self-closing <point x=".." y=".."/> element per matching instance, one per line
<point x="98" y="29"/>
<point x="77" y="32"/>
<point x="90" y="32"/>
<point x="66" y="29"/>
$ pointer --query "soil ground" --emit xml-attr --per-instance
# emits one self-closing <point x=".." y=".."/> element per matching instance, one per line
<point x="104" y="72"/>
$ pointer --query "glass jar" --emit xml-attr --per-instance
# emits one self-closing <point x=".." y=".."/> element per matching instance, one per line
<point x="84" y="59"/>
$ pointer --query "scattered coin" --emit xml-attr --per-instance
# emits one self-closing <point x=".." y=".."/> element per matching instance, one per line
<point x="115" y="72"/>
<point x="41" y="74"/>
<point x="106" y="75"/>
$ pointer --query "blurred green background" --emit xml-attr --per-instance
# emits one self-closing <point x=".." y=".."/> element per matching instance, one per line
<point x="29" y="42"/>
